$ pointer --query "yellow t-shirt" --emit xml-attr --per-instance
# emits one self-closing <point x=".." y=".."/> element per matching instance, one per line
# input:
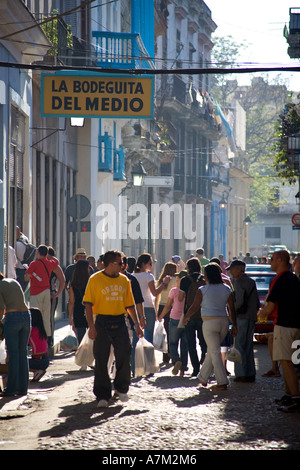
<point x="108" y="295"/>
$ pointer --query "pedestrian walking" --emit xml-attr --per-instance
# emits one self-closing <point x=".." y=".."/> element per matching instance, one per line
<point x="57" y="284"/>
<point x="283" y="302"/>
<point x="109" y="297"/>
<point x="246" y="307"/>
<point x="139" y="304"/>
<point x="169" y="269"/>
<point x="17" y="326"/>
<point x="177" y="336"/>
<point x="39" y="272"/>
<point x="21" y="242"/>
<point x="76" y="309"/>
<point x="146" y="280"/>
<point x="194" y="329"/>
<point x="80" y="254"/>
<point x="214" y="298"/>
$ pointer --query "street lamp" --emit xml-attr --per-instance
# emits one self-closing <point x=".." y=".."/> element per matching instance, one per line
<point x="247" y="220"/>
<point x="77" y="121"/>
<point x="138" y="174"/>
<point x="223" y="203"/>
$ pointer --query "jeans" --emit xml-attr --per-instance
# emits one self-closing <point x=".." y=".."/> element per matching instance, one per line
<point x="150" y="323"/>
<point x="214" y="331"/>
<point x="176" y="335"/>
<point x="39" y="364"/>
<point x="244" y="344"/>
<point x="111" y="330"/>
<point x="17" y="327"/>
<point x="195" y="325"/>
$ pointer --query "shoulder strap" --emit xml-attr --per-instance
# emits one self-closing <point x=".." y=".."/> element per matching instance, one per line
<point x="45" y="267"/>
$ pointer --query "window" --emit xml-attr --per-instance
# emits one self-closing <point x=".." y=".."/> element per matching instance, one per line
<point x="16" y="169"/>
<point x="272" y="232"/>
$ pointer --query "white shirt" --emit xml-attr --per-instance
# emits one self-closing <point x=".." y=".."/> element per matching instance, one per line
<point x="144" y="278"/>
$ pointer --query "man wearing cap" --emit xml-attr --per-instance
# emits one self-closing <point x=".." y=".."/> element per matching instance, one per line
<point x="80" y="254"/>
<point x="246" y="306"/>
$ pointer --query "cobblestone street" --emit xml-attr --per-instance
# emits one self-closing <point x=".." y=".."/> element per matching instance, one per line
<point x="164" y="413"/>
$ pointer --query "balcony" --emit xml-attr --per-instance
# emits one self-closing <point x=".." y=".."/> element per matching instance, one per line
<point x="121" y="51"/>
<point x="292" y="34"/>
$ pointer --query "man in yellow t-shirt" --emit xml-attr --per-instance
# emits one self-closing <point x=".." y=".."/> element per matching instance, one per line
<point x="108" y="297"/>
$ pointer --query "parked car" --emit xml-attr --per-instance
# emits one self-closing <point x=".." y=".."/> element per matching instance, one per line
<point x="274" y="248"/>
<point x="263" y="280"/>
<point x="258" y="267"/>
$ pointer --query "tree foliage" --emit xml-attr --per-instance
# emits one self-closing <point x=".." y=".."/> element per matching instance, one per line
<point x="288" y="125"/>
<point x="263" y="102"/>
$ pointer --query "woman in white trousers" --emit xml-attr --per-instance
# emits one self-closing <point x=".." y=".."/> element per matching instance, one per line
<point x="217" y="306"/>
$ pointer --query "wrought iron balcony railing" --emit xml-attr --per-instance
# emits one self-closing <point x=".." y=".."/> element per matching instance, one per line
<point x="121" y="50"/>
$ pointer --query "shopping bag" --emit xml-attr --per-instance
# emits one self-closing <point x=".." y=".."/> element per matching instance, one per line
<point x="2" y="352"/>
<point x="111" y="364"/>
<point x="181" y="324"/>
<point x="145" y="360"/>
<point x="233" y="354"/>
<point x="160" y="341"/>
<point x="84" y="355"/>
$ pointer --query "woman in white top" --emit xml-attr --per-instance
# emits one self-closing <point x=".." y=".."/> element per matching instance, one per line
<point x="214" y="298"/>
<point x="146" y="280"/>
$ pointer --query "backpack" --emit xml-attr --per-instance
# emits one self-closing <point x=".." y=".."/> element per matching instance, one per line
<point x="192" y="291"/>
<point x="30" y="252"/>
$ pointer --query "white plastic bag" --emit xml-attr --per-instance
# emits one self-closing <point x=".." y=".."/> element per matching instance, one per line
<point x="2" y="352"/>
<point x="111" y="364"/>
<point x="233" y="354"/>
<point x="160" y="341"/>
<point x="84" y="355"/>
<point x="145" y="360"/>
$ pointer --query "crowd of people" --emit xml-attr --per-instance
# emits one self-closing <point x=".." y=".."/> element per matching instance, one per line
<point x="205" y="305"/>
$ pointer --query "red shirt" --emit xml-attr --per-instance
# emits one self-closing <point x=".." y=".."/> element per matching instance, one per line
<point x="40" y="271"/>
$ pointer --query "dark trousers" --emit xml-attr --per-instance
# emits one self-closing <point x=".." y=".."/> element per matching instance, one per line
<point x="194" y="327"/>
<point x="111" y="330"/>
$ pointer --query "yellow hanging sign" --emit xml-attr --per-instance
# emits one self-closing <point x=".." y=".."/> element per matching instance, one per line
<point x="97" y="96"/>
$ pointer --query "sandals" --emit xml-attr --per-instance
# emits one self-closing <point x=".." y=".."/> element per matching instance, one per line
<point x="219" y="387"/>
<point x="271" y="373"/>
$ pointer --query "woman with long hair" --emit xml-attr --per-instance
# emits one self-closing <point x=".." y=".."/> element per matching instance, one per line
<point x="146" y="280"/>
<point x="161" y="300"/>
<point x="39" y="361"/>
<point x="214" y="298"/>
<point x="78" y="284"/>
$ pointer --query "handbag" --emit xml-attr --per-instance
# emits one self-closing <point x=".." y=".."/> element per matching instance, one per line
<point x="233" y="354"/>
<point x="160" y="341"/>
<point x="84" y="355"/>
<point x="145" y="360"/>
